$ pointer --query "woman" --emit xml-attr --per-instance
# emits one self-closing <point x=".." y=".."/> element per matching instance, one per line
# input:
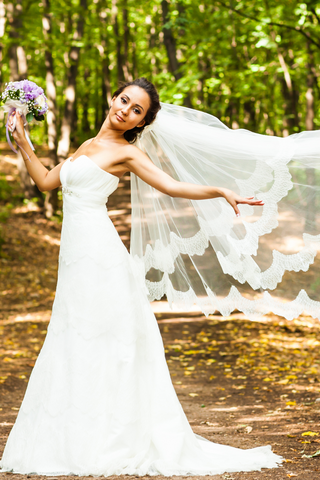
<point x="100" y="400"/>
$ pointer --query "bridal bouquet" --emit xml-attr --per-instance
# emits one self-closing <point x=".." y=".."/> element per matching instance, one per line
<point x="26" y="98"/>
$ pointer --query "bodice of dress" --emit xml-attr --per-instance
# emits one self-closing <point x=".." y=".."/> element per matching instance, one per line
<point x="85" y="184"/>
<point x="87" y="228"/>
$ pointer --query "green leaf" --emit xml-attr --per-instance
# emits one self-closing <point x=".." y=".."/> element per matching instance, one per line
<point x="39" y="117"/>
<point x="311" y="456"/>
<point x="29" y="117"/>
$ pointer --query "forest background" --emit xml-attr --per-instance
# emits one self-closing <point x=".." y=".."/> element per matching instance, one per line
<point x="254" y="64"/>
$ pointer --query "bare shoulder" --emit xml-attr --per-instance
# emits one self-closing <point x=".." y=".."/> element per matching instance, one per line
<point x="134" y="153"/>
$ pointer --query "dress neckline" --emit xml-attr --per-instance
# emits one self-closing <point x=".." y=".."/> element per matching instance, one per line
<point x="94" y="163"/>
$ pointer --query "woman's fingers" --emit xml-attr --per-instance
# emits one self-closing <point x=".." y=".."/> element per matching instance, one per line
<point x="247" y="201"/>
<point x="250" y="201"/>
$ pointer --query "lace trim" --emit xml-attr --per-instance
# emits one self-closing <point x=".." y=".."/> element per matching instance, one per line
<point x="247" y="270"/>
<point x="241" y="268"/>
<point x="233" y="301"/>
<point x="280" y="187"/>
<point x="297" y="262"/>
<point x="162" y="257"/>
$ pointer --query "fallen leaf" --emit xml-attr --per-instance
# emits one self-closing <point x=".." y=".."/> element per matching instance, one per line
<point x="193" y="395"/>
<point x="309" y="434"/>
<point x="314" y="455"/>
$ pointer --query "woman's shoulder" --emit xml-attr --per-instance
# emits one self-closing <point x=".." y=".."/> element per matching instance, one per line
<point x="131" y="150"/>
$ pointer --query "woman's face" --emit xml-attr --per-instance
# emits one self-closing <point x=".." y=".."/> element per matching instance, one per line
<point x="129" y="108"/>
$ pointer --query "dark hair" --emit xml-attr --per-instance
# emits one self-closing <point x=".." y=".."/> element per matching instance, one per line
<point x="131" y="135"/>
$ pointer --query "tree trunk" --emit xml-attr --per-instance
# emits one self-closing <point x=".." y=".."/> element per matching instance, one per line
<point x="85" y="125"/>
<point x="104" y="54"/>
<point x="126" y="35"/>
<point x="18" y="71"/>
<point x="170" y="44"/>
<point x="310" y="172"/>
<point x="70" y="92"/>
<point x="2" y="30"/>
<point x="118" y="41"/>
<point x="51" y="200"/>
<point x="290" y="95"/>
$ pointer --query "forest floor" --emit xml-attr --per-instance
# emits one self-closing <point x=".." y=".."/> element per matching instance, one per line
<point x="240" y="383"/>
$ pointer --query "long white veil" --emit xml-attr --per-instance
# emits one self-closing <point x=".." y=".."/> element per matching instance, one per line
<point x="198" y="251"/>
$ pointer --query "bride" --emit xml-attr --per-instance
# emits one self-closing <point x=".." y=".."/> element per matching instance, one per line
<point x="100" y="400"/>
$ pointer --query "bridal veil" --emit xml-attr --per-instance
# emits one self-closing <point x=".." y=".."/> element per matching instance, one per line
<point x="198" y="251"/>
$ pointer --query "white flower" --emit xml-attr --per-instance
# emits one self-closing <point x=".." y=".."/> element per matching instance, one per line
<point x="41" y="101"/>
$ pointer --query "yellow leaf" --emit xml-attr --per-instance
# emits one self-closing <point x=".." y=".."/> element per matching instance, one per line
<point x="313" y="371"/>
<point x="291" y="403"/>
<point x="283" y="382"/>
<point x="193" y="395"/>
<point x="291" y="436"/>
<point x="267" y="379"/>
<point x="310" y="434"/>
<point x="212" y="377"/>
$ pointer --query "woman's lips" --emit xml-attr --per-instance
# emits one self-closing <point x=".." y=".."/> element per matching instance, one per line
<point x="119" y="118"/>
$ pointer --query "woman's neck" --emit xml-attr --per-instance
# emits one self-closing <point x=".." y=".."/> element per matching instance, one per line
<point x="107" y="133"/>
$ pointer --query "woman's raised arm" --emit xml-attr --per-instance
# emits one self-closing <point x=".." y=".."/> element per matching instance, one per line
<point x="44" y="179"/>
<point x="141" y="165"/>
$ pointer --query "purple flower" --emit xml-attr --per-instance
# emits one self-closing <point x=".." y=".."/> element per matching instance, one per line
<point x="30" y="95"/>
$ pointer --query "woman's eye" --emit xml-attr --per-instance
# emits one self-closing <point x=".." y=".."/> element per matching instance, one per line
<point x="123" y="100"/>
<point x="136" y="110"/>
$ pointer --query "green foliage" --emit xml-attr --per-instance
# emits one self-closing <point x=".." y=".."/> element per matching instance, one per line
<point x="249" y="63"/>
<point x="5" y="189"/>
<point x="5" y="207"/>
<point x="29" y="117"/>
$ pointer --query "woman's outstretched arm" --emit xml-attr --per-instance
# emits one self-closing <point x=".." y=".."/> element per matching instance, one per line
<point x="141" y="165"/>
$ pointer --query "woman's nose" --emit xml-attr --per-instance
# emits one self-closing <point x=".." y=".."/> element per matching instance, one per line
<point x="125" y="109"/>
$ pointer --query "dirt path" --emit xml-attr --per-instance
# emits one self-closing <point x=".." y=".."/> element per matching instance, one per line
<point x="240" y="383"/>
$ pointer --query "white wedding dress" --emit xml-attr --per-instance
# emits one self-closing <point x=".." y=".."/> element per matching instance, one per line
<point x="100" y="400"/>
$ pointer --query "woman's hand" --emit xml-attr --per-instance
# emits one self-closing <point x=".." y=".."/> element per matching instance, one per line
<point x="18" y="133"/>
<point x="234" y="200"/>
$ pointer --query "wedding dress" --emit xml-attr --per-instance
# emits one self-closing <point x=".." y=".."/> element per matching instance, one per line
<point x="100" y="400"/>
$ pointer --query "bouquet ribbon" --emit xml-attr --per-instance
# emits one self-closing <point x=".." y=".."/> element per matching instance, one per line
<point x="11" y="106"/>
